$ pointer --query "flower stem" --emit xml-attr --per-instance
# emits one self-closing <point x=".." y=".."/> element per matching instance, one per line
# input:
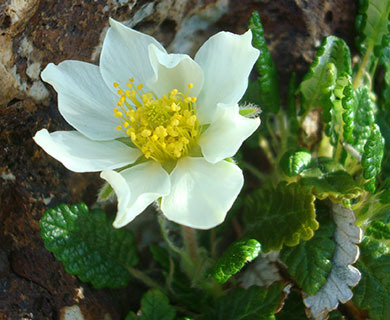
<point x="145" y="279"/>
<point x="191" y="244"/>
<point x="363" y="65"/>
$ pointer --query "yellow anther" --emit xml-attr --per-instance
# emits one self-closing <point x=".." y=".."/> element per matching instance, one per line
<point x="175" y="122"/>
<point x="146" y="133"/>
<point x="191" y="120"/>
<point x="116" y="84"/>
<point x="164" y="128"/>
<point x="118" y="127"/>
<point x="174" y="107"/>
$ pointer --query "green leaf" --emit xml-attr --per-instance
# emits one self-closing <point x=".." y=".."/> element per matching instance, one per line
<point x="329" y="180"/>
<point x="254" y="303"/>
<point x="268" y="81"/>
<point x="321" y="76"/>
<point x="249" y="111"/>
<point x="373" y="154"/>
<point x="88" y="246"/>
<point x="358" y="116"/>
<point x="384" y="57"/>
<point x="310" y="262"/>
<point x="378" y="230"/>
<point x="281" y="216"/>
<point x="293" y="308"/>
<point x="372" y="22"/>
<point x="293" y="162"/>
<point x="234" y="259"/>
<point x="154" y="306"/>
<point x="373" y="291"/>
<point x="293" y="123"/>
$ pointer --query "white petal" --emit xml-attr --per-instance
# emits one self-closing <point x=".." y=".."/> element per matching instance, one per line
<point x="83" y="98"/>
<point x="202" y="192"/>
<point x="136" y="188"/>
<point x="226" y="133"/>
<point x="125" y="55"/>
<point x="174" y="71"/>
<point x="80" y="154"/>
<point x="226" y="60"/>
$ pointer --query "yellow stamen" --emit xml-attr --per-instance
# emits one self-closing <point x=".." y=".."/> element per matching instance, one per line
<point x="164" y="129"/>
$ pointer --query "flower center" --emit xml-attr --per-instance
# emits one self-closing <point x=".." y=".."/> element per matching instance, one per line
<point x="165" y="128"/>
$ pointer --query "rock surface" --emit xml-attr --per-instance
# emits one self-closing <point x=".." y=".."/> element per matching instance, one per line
<point x="33" y="285"/>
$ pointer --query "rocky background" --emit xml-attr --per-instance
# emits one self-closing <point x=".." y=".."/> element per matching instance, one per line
<point x="33" y="285"/>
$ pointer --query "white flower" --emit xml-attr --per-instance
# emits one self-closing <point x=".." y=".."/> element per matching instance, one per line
<point x="165" y="122"/>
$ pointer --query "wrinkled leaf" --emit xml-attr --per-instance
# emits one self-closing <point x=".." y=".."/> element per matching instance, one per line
<point x="329" y="180"/>
<point x="343" y="274"/>
<point x="372" y="22"/>
<point x="269" y="96"/>
<point x="293" y="162"/>
<point x="234" y="259"/>
<point x="358" y="116"/>
<point x="281" y="216"/>
<point x="254" y="303"/>
<point x="373" y="154"/>
<point x="88" y="246"/>
<point x="154" y="306"/>
<point x="310" y="262"/>
<point x="373" y="291"/>
<point x="319" y="80"/>
<point x="378" y="230"/>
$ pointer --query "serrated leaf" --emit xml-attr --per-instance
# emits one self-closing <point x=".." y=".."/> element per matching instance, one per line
<point x="373" y="291"/>
<point x="268" y="81"/>
<point x="154" y="306"/>
<point x="343" y="274"/>
<point x="293" y="162"/>
<point x="310" y="262"/>
<point x="254" y="303"/>
<point x="281" y="216"/>
<point x="249" y="111"/>
<point x="384" y="57"/>
<point x="329" y="180"/>
<point x="234" y="259"/>
<point x="358" y="116"/>
<point x="373" y="154"/>
<point x="320" y="78"/>
<point x="88" y="246"/>
<point x="372" y="22"/>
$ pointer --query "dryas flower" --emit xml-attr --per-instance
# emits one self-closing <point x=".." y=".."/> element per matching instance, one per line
<point x="158" y="125"/>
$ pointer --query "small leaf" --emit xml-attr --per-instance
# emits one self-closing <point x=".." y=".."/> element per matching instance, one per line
<point x="328" y="180"/>
<point x="373" y="291"/>
<point x="154" y="306"/>
<point x="321" y="76"/>
<point x="293" y="162"/>
<point x="310" y="262"/>
<point x="268" y="81"/>
<point x="343" y="274"/>
<point x="254" y="303"/>
<point x="88" y="246"/>
<point x="373" y="154"/>
<point x="372" y="22"/>
<point x="281" y="217"/>
<point x="249" y="111"/>
<point x="358" y="117"/>
<point x="234" y="259"/>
